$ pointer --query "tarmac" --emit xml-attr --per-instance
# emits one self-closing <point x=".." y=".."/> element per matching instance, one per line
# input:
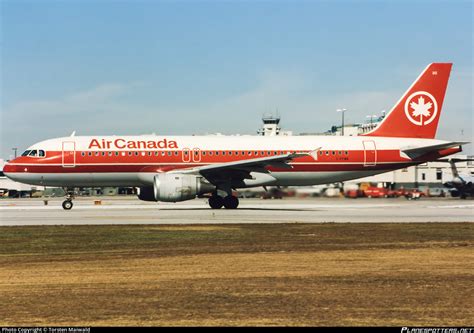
<point x="128" y="210"/>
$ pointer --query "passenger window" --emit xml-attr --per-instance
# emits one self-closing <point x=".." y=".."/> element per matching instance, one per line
<point x="90" y="153"/>
<point x="169" y="153"/>
<point x="203" y="153"/>
<point x="116" y="153"/>
<point x="129" y="153"/>
<point x="83" y="154"/>
<point x="223" y="153"/>
<point x="103" y="153"/>
<point x="176" y="153"/>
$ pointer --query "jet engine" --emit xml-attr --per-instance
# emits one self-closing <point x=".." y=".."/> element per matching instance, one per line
<point x="173" y="187"/>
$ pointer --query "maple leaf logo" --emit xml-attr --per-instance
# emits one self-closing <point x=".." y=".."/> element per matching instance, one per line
<point x="421" y="109"/>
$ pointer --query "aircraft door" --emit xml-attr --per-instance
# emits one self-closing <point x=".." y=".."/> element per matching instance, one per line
<point x="370" y="153"/>
<point x="186" y="155"/>
<point x="196" y="155"/>
<point x="69" y="154"/>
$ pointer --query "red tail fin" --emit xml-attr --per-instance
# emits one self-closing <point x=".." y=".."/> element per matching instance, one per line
<point x="416" y="114"/>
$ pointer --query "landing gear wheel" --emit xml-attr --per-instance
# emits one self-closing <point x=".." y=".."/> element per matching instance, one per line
<point x="231" y="202"/>
<point x="216" y="202"/>
<point x="67" y="204"/>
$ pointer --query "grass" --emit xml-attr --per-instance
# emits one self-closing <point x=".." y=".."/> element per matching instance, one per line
<point x="294" y="274"/>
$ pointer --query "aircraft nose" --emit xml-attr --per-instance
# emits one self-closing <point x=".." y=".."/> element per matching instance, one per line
<point x="10" y="170"/>
<point x="7" y="168"/>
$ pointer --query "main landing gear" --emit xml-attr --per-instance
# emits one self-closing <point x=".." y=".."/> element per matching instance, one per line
<point x="67" y="204"/>
<point x="229" y="202"/>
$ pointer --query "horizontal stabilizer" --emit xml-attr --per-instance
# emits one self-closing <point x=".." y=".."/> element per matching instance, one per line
<point x="420" y="151"/>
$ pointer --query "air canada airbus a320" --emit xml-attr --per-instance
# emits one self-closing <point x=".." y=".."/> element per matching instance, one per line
<point x="178" y="168"/>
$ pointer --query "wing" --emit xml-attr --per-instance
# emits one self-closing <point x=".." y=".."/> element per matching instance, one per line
<point x="237" y="172"/>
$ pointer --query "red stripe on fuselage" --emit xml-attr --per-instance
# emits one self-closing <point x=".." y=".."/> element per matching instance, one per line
<point x="162" y="161"/>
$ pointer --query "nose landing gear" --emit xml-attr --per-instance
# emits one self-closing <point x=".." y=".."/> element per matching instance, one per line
<point x="67" y="204"/>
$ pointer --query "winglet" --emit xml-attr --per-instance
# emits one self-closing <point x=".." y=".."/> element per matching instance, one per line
<point x="314" y="153"/>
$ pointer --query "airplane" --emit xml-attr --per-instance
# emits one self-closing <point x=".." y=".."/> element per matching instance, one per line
<point x="179" y="168"/>
<point x="462" y="185"/>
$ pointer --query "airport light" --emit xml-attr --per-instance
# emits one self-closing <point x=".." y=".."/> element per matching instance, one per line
<point x="342" y="127"/>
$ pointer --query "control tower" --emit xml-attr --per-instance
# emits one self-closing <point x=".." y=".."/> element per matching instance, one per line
<point x="271" y="126"/>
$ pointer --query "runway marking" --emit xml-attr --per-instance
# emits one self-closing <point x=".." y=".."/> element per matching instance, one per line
<point x="452" y="206"/>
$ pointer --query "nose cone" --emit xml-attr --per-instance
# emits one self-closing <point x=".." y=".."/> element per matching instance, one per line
<point x="8" y="170"/>
<point x="11" y="171"/>
<point x="18" y="173"/>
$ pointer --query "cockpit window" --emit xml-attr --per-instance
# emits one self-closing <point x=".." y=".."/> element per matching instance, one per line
<point x="34" y="153"/>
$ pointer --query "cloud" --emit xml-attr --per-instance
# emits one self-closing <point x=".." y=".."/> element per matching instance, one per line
<point x="83" y="101"/>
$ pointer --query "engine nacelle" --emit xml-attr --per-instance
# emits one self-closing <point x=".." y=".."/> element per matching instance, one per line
<point x="173" y="187"/>
<point x="146" y="193"/>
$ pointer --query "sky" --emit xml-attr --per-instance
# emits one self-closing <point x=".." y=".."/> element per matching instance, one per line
<point x="197" y="67"/>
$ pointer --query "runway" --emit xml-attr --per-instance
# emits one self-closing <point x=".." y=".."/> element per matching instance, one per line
<point x="113" y="210"/>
